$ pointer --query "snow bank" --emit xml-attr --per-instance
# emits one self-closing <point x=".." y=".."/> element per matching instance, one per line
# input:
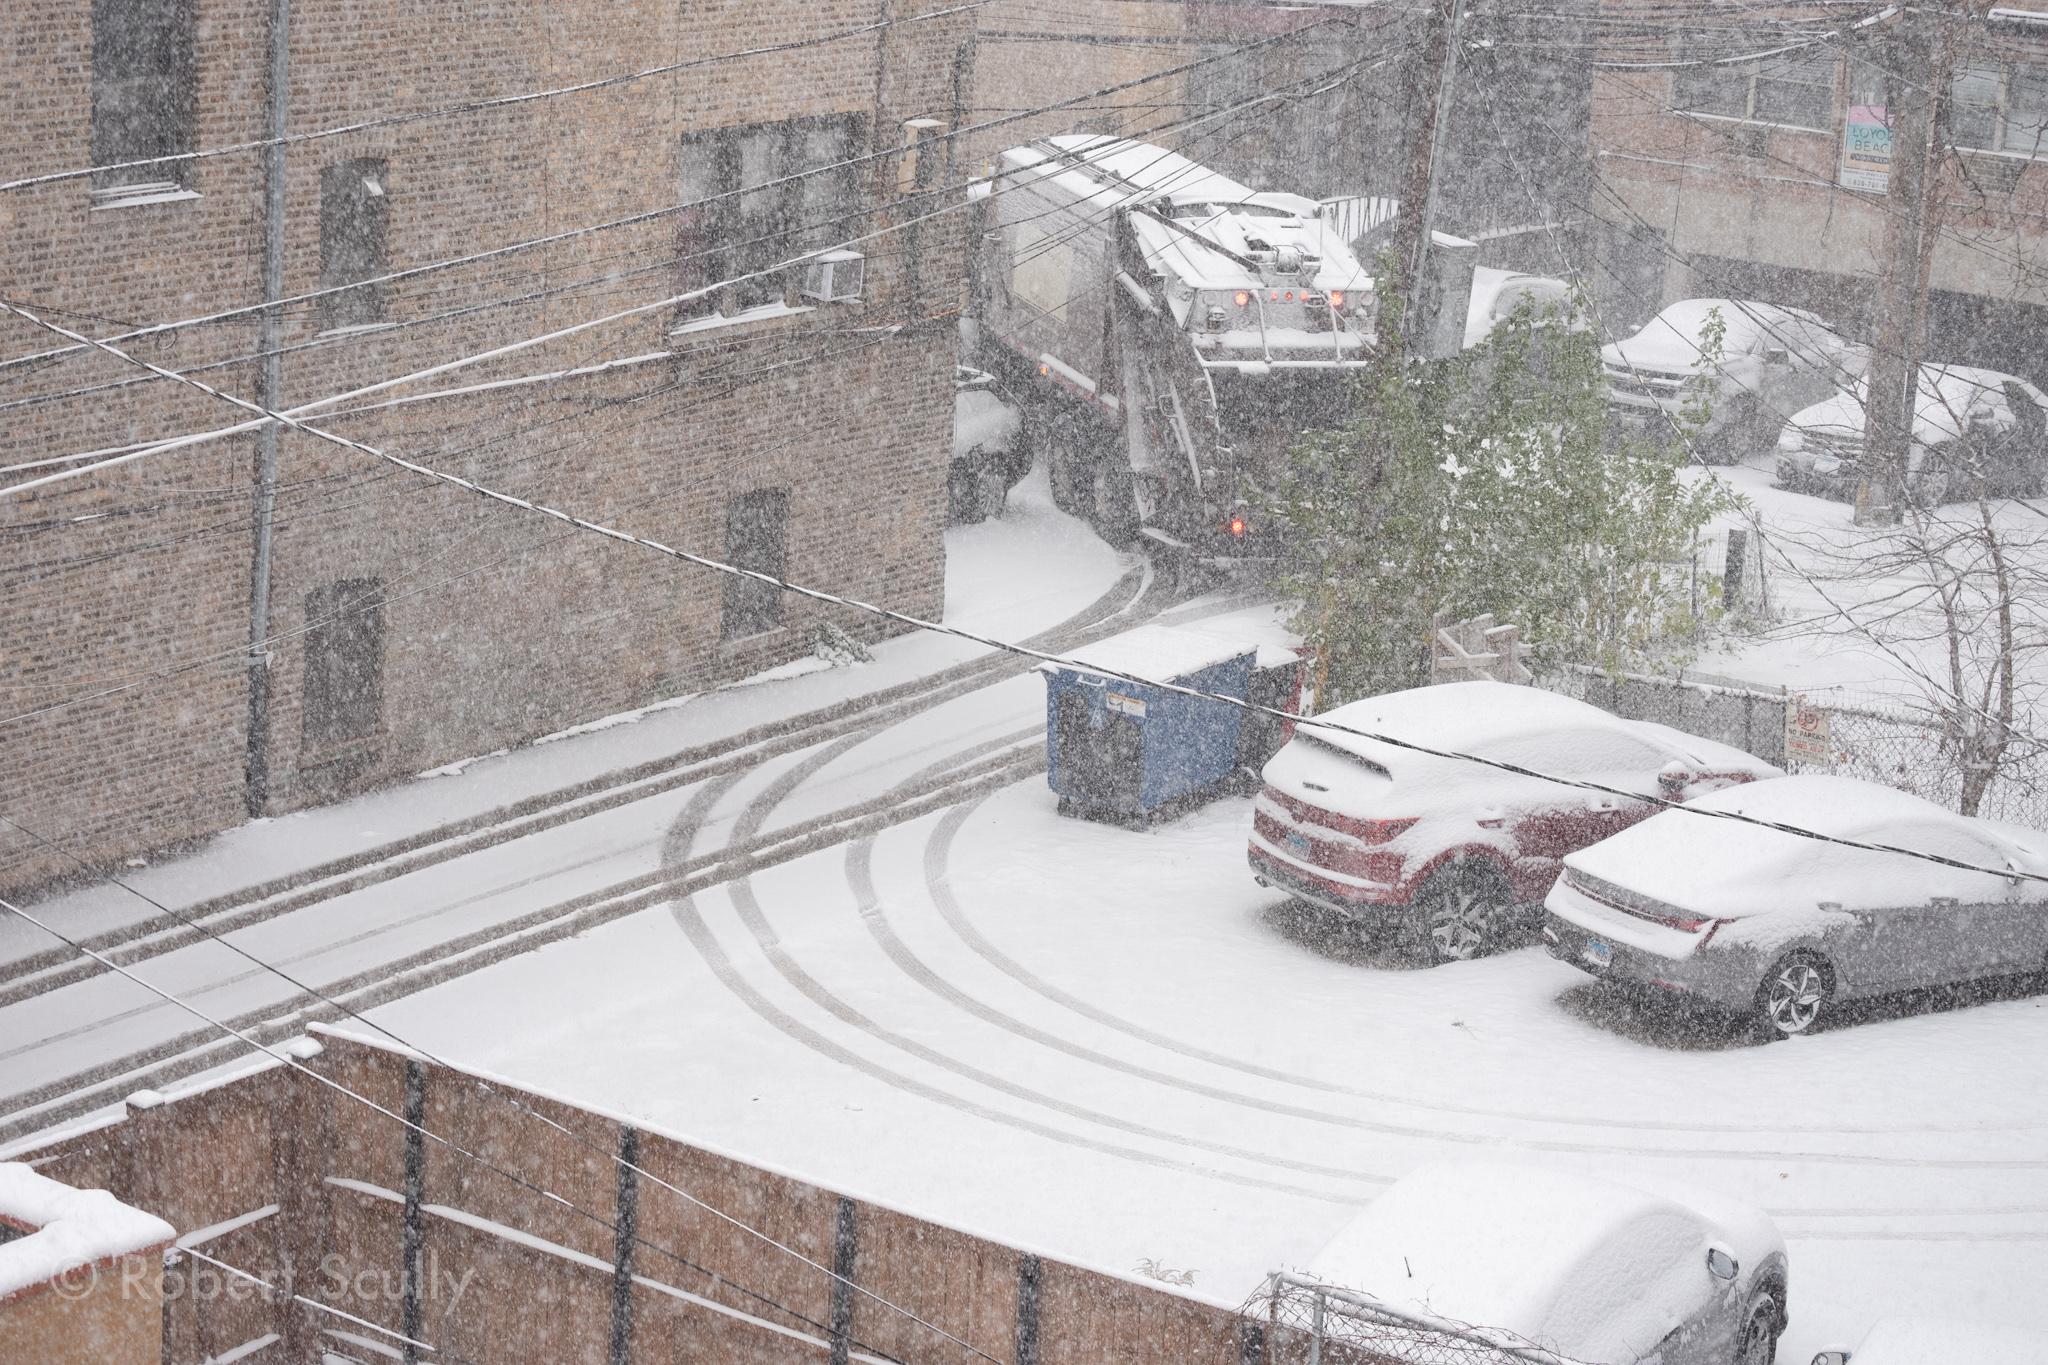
<point x="74" y="1228"/>
<point x="1590" y="1269"/>
<point x="1949" y="1341"/>
<point x="1734" y="871"/>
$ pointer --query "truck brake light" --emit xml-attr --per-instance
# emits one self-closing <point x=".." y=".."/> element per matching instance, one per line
<point x="1237" y="526"/>
<point x="1243" y="297"/>
<point x="1336" y="298"/>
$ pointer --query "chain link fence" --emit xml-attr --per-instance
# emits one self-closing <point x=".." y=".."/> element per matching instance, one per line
<point x="1301" y="1321"/>
<point x="1877" y="741"/>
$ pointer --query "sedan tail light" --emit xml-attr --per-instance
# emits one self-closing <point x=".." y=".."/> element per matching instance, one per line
<point x="1634" y="905"/>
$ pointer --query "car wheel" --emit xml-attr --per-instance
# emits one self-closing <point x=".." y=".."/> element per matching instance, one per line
<point x="1459" y="914"/>
<point x="1934" y="483"/>
<point x="1758" y="1342"/>
<point x="1795" y="994"/>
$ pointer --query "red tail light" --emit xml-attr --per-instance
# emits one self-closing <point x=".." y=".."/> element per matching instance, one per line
<point x="1237" y="526"/>
<point x="1336" y="298"/>
<point x="1243" y="297"/>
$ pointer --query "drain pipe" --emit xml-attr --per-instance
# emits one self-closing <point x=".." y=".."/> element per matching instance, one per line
<point x="270" y="378"/>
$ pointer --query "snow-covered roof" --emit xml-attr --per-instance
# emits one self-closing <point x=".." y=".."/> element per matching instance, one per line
<point x="1464" y="716"/>
<point x="1949" y="1341"/>
<point x="1123" y="173"/>
<point x="74" y="1228"/>
<point x="1162" y="653"/>
<point x="1591" y="1269"/>
<point x="1730" y="870"/>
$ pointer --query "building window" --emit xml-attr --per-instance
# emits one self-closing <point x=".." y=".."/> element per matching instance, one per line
<point x="355" y="225"/>
<point x="2001" y="109"/>
<point x="758" y="223"/>
<point x="344" y="686"/>
<point x="1795" y="89"/>
<point x="142" y="91"/>
<point x="755" y="531"/>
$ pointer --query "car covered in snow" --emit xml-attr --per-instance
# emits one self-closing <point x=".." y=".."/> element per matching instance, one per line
<point x="1773" y="362"/>
<point x="1787" y="927"/>
<point x="991" y="452"/>
<point x="1444" y="849"/>
<point x="1589" y="1269"/>
<point x="1940" y="1341"/>
<point x="1968" y="424"/>
<point x="1496" y="294"/>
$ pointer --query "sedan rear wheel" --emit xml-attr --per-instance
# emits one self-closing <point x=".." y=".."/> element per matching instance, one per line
<point x="1794" y="995"/>
<point x="1459" y="913"/>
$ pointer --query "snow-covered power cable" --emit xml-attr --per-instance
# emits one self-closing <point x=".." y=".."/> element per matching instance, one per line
<point x="501" y="102"/>
<point x="318" y="1306"/>
<point x="918" y="623"/>
<point x="670" y="209"/>
<point x="284" y="1057"/>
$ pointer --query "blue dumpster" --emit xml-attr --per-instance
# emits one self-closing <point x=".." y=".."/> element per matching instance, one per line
<point x="1130" y="752"/>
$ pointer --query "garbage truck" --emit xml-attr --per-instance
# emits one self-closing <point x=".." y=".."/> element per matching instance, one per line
<point x="1169" y="333"/>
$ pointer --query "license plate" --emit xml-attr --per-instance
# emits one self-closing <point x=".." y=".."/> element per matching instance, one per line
<point x="1299" y="843"/>
<point x="1598" y="953"/>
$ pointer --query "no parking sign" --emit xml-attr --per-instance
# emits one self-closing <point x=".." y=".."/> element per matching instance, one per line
<point x="1806" y="734"/>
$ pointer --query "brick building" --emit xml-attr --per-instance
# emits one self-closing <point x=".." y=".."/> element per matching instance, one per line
<point x="779" y="422"/>
<point x="1734" y="158"/>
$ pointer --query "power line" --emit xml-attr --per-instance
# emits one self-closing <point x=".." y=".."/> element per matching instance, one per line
<point x="1025" y="651"/>
<point x="670" y="209"/>
<point x="501" y="102"/>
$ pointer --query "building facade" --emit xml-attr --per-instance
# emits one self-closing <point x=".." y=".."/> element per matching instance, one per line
<point x="605" y="300"/>
<point x="1744" y="154"/>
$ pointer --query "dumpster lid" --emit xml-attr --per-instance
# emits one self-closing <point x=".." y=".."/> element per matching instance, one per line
<point x="1158" y="653"/>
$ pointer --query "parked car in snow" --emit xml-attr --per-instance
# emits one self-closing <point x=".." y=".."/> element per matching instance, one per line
<point x="1967" y="424"/>
<point x="1590" y="1269"/>
<point x="1496" y="294"/>
<point x="1446" y="849"/>
<point x="1787" y="927"/>
<point x="990" y="450"/>
<point x="1774" y="361"/>
<point x="1940" y="1341"/>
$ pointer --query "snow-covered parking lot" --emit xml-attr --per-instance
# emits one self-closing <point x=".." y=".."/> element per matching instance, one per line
<point x="1116" y="1048"/>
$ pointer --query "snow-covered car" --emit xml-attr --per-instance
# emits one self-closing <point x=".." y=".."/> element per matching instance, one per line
<point x="1496" y="294"/>
<point x="1786" y="927"/>
<point x="1966" y="422"/>
<point x="1940" y="1341"/>
<point x="1444" y="849"/>
<point x="1590" y="1269"/>
<point x="1774" y="361"/>
<point x="991" y="450"/>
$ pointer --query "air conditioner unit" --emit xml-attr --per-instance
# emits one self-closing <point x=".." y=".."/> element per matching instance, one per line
<point x="835" y="277"/>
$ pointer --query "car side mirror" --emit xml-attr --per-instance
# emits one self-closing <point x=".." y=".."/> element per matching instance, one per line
<point x="1832" y="1355"/>
<point x="1721" y="1263"/>
<point x="1777" y="355"/>
<point x="1671" y="779"/>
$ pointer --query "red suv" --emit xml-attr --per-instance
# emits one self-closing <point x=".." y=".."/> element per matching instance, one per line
<point x="1447" y="850"/>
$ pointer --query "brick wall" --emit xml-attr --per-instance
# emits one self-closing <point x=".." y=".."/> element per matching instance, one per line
<point x="498" y="626"/>
<point x="727" y="1269"/>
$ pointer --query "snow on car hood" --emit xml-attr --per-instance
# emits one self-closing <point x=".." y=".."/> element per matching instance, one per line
<point x="1591" y="1269"/>
<point x="1727" y="870"/>
<point x="1670" y="342"/>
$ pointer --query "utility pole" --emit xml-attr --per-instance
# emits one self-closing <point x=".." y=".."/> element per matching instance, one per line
<point x="1916" y="62"/>
<point x="1430" y="98"/>
<point x="269" y="383"/>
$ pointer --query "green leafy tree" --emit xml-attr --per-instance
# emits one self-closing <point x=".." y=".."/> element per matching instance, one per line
<point x="1490" y="482"/>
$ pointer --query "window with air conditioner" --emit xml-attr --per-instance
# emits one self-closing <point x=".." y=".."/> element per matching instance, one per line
<point x="759" y="195"/>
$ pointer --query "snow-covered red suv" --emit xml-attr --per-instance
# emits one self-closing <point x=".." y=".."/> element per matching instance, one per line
<point x="1448" y="850"/>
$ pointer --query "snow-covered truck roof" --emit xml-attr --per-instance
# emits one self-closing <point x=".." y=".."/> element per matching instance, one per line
<point x="1115" y="173"/>
<point x="1591" y="1269"/>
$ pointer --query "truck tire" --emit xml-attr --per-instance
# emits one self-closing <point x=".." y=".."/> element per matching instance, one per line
<point x="1071" y="473"/>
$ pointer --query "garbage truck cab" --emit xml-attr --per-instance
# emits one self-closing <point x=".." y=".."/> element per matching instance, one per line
<point x="1171" y="332"/>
